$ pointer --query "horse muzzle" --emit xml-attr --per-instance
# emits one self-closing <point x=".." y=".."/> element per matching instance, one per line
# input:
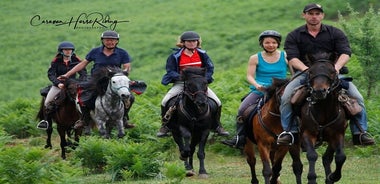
<point x="320" y="94"/>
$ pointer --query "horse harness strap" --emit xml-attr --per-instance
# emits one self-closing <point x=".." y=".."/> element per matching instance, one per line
<point x="321" y="128"/>
<point x="261" y="119"/>
<point x="189" y="116"/>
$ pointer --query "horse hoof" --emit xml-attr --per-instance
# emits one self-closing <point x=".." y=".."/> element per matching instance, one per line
<point x="203" y="176"/>
<point x="120" y="135"/>
<point x="333" y="177"/>
<point x="47" y="146"/>
<point x="190" y="173"/>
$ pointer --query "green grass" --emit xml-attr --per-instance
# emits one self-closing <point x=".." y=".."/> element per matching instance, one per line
<point x="229" y="31"/>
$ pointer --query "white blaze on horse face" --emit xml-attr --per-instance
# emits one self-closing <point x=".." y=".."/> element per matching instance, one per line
<point x="120" y="84"/>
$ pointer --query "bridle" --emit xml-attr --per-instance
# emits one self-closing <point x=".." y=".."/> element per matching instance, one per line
<point x="312" y="100"/>
<point x="192" y="96"/>
<point x="333" y="81"/>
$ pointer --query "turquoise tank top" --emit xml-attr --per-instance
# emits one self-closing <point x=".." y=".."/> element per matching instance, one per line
<point x="266" y="71"/>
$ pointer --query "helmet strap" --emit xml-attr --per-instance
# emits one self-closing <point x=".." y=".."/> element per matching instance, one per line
<point x="191" y="50"/>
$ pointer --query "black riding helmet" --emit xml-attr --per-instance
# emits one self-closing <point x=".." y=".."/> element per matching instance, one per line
<point x="189" y="35"/>
<point x="109" y="34"/>
<point x="65" y="45"/>
<point x="270" y="33"/>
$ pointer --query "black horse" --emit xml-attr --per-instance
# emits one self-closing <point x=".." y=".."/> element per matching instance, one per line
<point x="323" y="118"/>
<point x="191" y="121"/>
<point x="65" y="116"/>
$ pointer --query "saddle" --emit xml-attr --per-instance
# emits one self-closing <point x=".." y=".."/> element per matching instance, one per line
<point x="44" y="91"/>
<point x="350" y="105"/>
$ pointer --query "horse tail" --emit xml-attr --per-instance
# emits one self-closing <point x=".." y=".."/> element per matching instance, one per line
<point x="40" y="114"/>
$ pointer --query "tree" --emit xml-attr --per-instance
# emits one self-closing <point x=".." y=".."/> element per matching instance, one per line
<point x="363" y="33"/>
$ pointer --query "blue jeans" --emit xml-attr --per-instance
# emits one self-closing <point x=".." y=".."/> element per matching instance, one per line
<point x="361" y="117"/>
<point x="287" y="116"/>
<point x="249" y="100"/>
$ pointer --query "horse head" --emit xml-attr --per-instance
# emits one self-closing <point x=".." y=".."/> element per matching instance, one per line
<point x="322" y="76"/>
<point x="119" y="84"/>
<point x="111" y="78"/>
<point x="196" y="86"/>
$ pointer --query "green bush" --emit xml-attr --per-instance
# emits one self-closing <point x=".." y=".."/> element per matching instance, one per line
<point x="18" y="117"/>
<point x="122" y="159"/>
<point x="22" y="165"/>
<point x="4" y="138"/>
<point x="133" y="160"/>
<point x="92" y="153"/>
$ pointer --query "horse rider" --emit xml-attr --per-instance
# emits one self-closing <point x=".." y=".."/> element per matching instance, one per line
<point x="187" y="54"/>
<point x="262" y="67"/>
<point x="310" y="38"/>
<point x="64" y="60"/>
<point x="106" y="55"/>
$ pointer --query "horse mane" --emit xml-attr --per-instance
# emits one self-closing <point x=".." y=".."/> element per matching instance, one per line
<point x="100" y="78"/>
<point x="321" y="56"/>
<point x="191" y="71"/>
<point x="276" y="83"/>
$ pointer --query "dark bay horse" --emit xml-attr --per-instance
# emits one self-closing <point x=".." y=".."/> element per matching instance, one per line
<point x="323" y="118"/>
<point x="65" y="116"/>
<point x="191" y="121"/>
<point x="264" y="129"/>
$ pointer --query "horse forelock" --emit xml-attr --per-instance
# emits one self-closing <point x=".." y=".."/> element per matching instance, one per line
<point x="193" y="71"/>
<point x="276" y="84"/>
<point x="321" y="57"/>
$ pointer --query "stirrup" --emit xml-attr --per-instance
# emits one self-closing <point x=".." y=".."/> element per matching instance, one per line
<point x="286" y="133"/>
<point x="43" y="128"/>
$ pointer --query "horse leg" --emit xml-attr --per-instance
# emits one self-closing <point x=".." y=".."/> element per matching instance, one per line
<point x="340" y="158"/>
<point x="264" y="151"/>
<point x="202" y="155"/>
<point x="186" y="136"/>
<point x="297" y="166"/>
<point x="327" y="159"/>
<point x="251" y="160"/>
<point x="77" y="134"/>
<point x="49" y="131"/>
<point x="120" y="128"/>
<point x="109" y="128"/>
<point x="101" y="127"/>
<point x="312" y="157"/>
<point x="62" y="135"/>
<point x="279" y="155"/>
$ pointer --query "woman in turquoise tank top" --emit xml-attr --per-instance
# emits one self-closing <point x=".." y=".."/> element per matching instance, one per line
<point x="262" y="67"/>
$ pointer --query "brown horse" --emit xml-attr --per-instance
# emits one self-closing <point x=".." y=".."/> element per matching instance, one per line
<point x="65" y="116"/>
<point x="265" y="127"/>
<point x="323" y="118"/>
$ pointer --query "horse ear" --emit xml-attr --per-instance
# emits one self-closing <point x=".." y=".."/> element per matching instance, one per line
<point x="126" y="73"/>
<point x="111" y="73"/>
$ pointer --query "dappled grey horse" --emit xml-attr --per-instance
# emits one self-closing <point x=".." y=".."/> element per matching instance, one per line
<point x="109" y="106"/>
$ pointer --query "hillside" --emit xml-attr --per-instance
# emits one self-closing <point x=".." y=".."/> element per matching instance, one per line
<point x="148" y="30"/>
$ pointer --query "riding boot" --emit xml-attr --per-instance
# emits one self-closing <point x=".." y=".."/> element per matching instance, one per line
<point x="165" y="117"/>
<point x="358" y="126"/>
<point x="239" y="140"/>
<point x="85" y="118"/>
<point x="127" y="106"/>
<point x="363" y="139"/>
<point x="49" y="110"/>
<point x="285" y="138"/>
<point x="44" y="124"/>
<point x="218" y="125"/>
